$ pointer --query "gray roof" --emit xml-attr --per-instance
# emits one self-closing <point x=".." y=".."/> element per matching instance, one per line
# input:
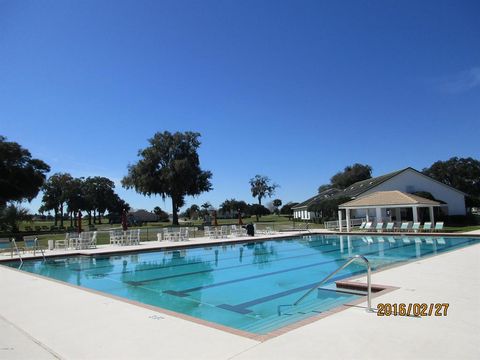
<point x="352" y="191"/>
<point x="326" y="194"/>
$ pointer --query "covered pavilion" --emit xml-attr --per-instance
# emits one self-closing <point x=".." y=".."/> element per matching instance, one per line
<point x="383" y="200"/>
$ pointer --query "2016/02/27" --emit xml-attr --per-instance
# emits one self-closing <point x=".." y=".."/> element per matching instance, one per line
<point x="415" y="309"/>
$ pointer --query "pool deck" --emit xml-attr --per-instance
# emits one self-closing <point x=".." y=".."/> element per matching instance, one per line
<point x="44" y="319"/>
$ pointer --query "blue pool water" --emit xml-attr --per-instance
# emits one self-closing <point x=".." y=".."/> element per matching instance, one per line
<point x="241" y="285"/>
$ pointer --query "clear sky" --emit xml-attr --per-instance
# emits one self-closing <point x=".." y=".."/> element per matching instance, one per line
<point x="295" y="90"/>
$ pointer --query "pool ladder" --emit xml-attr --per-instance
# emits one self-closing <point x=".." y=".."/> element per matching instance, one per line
<point x="328" y="277"/>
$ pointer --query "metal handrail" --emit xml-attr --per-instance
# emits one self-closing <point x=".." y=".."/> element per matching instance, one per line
<point x="352" y="259"/>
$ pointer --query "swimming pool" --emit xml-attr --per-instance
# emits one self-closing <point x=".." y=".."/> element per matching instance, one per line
<point x="241" y="285"/>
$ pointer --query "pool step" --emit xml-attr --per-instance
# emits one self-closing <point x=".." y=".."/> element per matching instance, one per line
<point x="296" y="313"/>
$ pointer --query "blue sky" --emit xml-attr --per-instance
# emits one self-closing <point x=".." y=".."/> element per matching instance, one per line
<point x="295" y="90"/>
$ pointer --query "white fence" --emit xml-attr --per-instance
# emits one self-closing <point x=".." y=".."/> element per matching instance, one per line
<point x="333" y="225"/>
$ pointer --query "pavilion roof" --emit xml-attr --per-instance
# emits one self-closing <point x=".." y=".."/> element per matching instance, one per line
<point x="389" y="198"/>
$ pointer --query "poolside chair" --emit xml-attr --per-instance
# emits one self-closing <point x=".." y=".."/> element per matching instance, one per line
<point x="117" y="237"/>
<point x="404" y="226"/>
<point x="416" y="226"/>
<point x="183" y="234"/>
<point x="30" y="243"/>
<point x="368" y="226"/>
<point x="390" y="226"/>
<point x="438" y="226"/>
<point x="379" y="227"/>
<point x="224" y="231"/>
<point x="427" y="226"/>
<point x="88" y="240"/>
<point x="66" y="243"/>
<point x="362" y="225"/>
<point x="9" y="245"/>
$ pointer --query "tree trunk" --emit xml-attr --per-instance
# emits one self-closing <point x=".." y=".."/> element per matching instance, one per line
<point x="174" y="212"/>
<point x="71" y="218"/>
<point x="56" y="217"/>
<point x="89" y="217"/>
<point x="94" y="216"/>
<point x="259" y="200"/>
<point x="61" y="215"/>
<point x="99" y="217"/>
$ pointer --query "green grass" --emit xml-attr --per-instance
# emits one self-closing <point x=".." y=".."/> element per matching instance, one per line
<point x="461" y="228"/>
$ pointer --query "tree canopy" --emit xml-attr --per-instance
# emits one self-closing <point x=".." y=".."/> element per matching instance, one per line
<point x="350" y="175"/>
<point x="21" y="176"/>
<point x="170" y="166"/>
<point x="460" y="173"/>
<point x="261" y="186"/>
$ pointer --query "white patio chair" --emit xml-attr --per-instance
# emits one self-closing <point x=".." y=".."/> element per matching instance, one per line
<point x="183" y="234"/>
<point x="224" y="232"/>
<point x="133" y="237"/>
<point x="117" y="237"/>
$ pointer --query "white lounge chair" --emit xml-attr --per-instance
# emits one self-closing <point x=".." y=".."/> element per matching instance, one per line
<point x="427" y="226"/>
<point x="438" y="226"/>
<point x="416" y="226"/>
<point x="379" y="227"/>
<point x="8" y="245"/>
<point x="30" y="243"/>
<point x="404" y="226"/>
<point x="390" y="226"/>
<point x="368" y="226"/>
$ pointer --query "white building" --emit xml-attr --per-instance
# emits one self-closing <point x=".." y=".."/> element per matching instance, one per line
<point x="407" y="180"/>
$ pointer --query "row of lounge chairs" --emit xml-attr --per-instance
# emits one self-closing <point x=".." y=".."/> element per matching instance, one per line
<point x="30" y="243"/>
<point x="404" y="227"/>
<point x="78" y="241"/>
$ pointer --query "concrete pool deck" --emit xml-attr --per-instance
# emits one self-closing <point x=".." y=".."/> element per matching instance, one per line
<point x="46" y="319"/>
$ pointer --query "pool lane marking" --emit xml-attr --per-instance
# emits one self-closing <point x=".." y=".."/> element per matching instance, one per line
<point x="177" y="293"/>
<point x="296" y="248"/>
<point x="184" y="293"/>
<point x="243" y="307"/>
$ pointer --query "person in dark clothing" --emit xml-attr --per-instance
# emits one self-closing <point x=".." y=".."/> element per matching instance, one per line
<point x="250" y="229"/>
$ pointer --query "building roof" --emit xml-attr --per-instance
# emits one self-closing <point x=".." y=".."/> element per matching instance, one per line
<point x="351" y="191"/>
<point x="360" y="187"/>
<point x="389" y="198"/>
<point x="326" y="194"/>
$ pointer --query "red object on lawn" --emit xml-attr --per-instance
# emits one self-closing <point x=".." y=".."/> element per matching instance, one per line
<point x="240" y="222"/>
<point x="79" y="221"/>
<point x="124" y="220"/>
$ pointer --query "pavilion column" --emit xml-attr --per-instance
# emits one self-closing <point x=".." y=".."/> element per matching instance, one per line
<point x="348" y="219"/>
<point x="398" y="214"/>
<point x="378" y="214"/>
<point x="340" y="227"/>
<point x="415" y="213"/>
<point x="430" y="210"/>
<point x="366" y="216"/>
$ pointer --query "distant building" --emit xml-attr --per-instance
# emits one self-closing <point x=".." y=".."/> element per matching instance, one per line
<point x="407" y="180"/>
<point x="142" y="216"/>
